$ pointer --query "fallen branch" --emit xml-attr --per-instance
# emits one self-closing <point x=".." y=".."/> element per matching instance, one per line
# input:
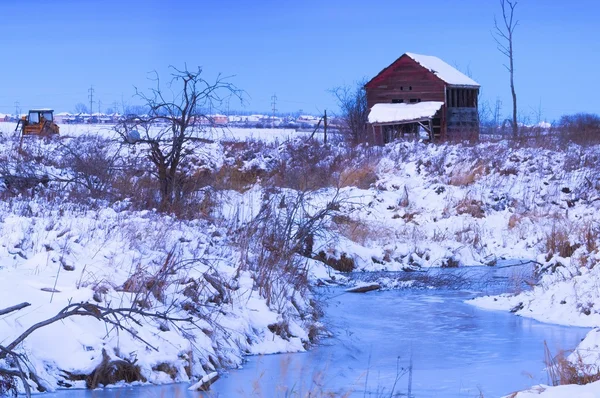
<point x="95" y="311"/>
<point x="112" y="316"/>
<point x="14" y="308"/>
<point x="521" y="263"/>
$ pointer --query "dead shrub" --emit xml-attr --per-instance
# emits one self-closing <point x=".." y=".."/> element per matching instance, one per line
<point x="462" y="176"/>
<point x="113" y="371"/>
<point x="274" y="243"/>
<point x="145" y="284"/>
<point x="8" y="385"/>
<point x="342" y="264"/>
<point x="561" y="371"/>
<point x="93" y="164"/>
<point x="166" y="368"/>
<point x="471" y="235"/>
<point x="360" y="176"/>
<point x="234" y="177"/>
<point x="355" y="230"/>
<point x="513" y="220"/>
<point x="470" y="206"/>
<point x="580" y="128"/>
<point x="281" y="329"/>
<point x="307" y="166"/>
<point x="589" y="235"/>
<point x="558" y="243"/>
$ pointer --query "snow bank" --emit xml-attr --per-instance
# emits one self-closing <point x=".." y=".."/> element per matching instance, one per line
<point x="55" y="254"/>
<point x="569" y="391"/>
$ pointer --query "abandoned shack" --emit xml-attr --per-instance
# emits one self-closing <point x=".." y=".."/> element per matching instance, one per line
<point x="422" y="94"/>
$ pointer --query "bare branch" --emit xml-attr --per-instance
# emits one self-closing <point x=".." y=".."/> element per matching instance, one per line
<point x="14" y="308"/>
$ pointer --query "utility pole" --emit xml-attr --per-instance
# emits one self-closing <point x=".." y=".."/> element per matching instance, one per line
<point x="17" y="109"/>
<point x="99" y="106"/>
<point x="274" y="106"/>
<point x="91" y="96"/>
<point x="122" y="105"/>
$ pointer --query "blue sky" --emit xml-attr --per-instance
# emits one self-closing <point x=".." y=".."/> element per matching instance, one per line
<point x="55" y="50"/>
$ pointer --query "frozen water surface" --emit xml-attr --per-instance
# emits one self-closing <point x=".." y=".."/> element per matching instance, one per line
<point x="457" y="350"/>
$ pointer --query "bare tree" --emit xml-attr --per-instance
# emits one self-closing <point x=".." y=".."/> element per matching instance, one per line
<point x="177" y="120"/>
<point x="354" y="111"/>
<point x="503" y="34"/>
<point x="81" y="108"/>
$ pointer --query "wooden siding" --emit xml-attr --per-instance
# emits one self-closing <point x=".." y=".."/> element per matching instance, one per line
<point x="405" y="80"/>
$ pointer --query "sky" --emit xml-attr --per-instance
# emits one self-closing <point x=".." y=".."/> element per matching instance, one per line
<point x="54" y="51"/>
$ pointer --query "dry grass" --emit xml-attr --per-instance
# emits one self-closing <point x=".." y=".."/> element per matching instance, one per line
<point x="561" y="371"/>
<point x="589" y="234"/>
<point x="470" y="206"/>
<point x="514" y="219"/>
<point x="342" y="264"/>
<point x="360" y="176"/>
<point x="470" y="235"/>
<point x="558" y="242"/>
<point x="462" y="176"/>
<point x="235" y="178"/>
<point x="356" y="230"/>
<point x="113" y="371"/>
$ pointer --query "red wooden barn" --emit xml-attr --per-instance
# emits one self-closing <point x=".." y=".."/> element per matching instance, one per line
<point x="422" y="94"/>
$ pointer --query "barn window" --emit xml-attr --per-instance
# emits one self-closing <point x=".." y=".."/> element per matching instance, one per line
<point x="415" y="100"/>
<point x="410" y="88"/>
<point x="401" y="88"/>
<point x="397" y="101"/>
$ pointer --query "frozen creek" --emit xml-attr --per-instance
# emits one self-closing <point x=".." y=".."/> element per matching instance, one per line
<point x="457" y="350"/>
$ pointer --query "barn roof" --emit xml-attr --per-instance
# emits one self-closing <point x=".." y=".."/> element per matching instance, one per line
<point x="403" y="113"/>
<point x="442" y="70"/>
<point x="439" y="68"/>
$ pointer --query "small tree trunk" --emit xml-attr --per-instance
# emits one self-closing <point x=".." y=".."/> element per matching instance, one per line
<point x="325" y="128"/>
<point x="515" y="126"/>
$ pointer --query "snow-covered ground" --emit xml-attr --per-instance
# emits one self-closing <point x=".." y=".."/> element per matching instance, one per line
<point x="218" y="134"/>
<point x="405" y="206"/>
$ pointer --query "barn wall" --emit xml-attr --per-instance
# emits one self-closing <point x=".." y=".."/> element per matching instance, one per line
<point x="405" y="80"/>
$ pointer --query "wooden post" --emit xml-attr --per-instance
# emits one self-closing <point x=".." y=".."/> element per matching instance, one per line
<point x="430" y="130"/>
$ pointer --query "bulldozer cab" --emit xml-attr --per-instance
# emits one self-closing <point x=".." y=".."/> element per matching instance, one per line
<point x="38" y="122"/>
<point x="40" y="115"/>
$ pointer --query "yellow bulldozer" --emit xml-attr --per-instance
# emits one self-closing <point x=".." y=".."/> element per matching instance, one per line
<point x="39" y="122"/>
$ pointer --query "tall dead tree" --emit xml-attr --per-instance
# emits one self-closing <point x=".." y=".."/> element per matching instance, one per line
<point x="178" y="117"/>
<point x="503" y="35"/>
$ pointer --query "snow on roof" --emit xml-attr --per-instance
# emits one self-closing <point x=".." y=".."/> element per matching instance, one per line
<point x="442" y="70"/>
<point x="390" y="113"/>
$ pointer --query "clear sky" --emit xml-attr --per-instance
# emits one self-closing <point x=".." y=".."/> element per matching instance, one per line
<point x="53" y="51"/>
